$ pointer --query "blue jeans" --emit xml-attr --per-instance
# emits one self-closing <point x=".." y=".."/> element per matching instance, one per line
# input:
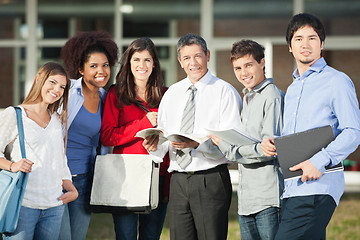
<point x="150" y="225"/>
<point x="261" y="225"/>
<point x="40" y="224"/>
<point x="76" y="219"/>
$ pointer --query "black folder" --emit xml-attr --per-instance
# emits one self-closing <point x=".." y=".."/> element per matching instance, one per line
<point x="298" y="147"/>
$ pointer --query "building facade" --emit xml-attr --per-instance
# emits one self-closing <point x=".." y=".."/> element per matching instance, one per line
<point x="32" y="32"/>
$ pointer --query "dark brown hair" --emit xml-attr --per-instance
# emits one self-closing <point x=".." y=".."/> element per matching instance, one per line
<point x="125" y="85"/>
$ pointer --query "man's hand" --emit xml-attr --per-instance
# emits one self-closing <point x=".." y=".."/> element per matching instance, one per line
<point x="310" y="172"/>
<point x="214" y="139"/>
<point x="185" y="143"/>
<point x="150" y="142"/>
<point x="268" y="147"/>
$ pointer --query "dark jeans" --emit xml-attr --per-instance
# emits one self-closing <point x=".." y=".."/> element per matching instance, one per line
<point x="305" y="217"/>
<point x="150" y="225"/>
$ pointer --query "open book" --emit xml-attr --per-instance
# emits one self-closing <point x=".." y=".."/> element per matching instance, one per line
<point x="235" y="137"/>
<point x="164" y="136"/>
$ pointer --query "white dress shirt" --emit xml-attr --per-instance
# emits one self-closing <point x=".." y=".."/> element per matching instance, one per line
<point x="45" y="148"/>
<point x="217" y="105"/>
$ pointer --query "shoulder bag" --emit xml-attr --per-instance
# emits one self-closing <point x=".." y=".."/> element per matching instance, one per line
<point x="12" y="187"/>
<point x="125" y="183"/>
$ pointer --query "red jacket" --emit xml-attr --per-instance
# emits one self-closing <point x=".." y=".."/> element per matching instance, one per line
<point x="119" y="127"/>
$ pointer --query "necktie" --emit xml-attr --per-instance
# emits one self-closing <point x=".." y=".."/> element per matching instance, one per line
<point x="183" y="157"/>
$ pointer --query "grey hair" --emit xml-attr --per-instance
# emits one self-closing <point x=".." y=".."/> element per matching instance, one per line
<point x="190" y="39"/>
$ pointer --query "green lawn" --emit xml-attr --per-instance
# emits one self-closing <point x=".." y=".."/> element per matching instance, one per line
<point x="345" y="223"/>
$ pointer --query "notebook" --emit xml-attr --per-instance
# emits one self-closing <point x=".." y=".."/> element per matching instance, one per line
<point x="298" y="147"/>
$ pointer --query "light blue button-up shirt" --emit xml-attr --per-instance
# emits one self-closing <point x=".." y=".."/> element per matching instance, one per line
<point x="323" y="96"/>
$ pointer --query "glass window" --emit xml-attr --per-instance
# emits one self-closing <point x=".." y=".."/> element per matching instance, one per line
<point x="10" y="12"/>
<point x="7" y="76"/>
<point x="338" y="17"/>
<point x="234" y="18"/>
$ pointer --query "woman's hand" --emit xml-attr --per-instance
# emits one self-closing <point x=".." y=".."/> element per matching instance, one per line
<point x="150" y="143"/>
<point x="24" y="165"/>
<point x="71" y="193"/>
<point x="152" y="116"/>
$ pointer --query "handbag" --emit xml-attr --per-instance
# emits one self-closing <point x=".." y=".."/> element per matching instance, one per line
<point x="12" y="187"/>
<point x="125" y="183"/>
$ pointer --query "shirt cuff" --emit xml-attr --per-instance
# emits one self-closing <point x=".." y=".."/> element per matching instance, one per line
<point x="224" y="146"/>
<point x="320" y="160"/>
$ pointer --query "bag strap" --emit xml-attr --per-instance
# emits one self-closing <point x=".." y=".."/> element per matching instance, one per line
<point x="140" y="104"/>
<point x="20" y="131"/>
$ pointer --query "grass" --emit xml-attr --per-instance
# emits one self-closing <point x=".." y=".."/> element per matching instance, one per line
<point x="345" y="223"/>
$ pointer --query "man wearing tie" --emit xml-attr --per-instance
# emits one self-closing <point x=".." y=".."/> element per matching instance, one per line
<point x="200" y="194"/>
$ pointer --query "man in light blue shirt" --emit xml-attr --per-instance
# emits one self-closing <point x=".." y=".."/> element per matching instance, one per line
<point x="319" y="95"/>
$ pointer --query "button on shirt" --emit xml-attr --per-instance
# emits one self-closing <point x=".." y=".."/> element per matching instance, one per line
<point x="261" y="117"/>
<point x="323" y="96"/>
<point x="217" y="105"/>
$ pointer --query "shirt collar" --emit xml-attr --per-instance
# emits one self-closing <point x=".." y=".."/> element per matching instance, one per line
<point x="317" y="66"/>
<point x="199" y="84"/>
<point x="260" y="86"/>
<point x="76" y="84"/>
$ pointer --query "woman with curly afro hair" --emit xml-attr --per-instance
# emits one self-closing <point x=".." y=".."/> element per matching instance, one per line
<point x="87" y="57"/>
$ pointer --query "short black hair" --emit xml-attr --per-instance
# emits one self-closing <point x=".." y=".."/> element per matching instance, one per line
<point x="301" y="20"/>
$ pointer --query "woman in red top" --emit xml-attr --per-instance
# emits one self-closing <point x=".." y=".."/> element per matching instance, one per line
<point x="139" y="79"/>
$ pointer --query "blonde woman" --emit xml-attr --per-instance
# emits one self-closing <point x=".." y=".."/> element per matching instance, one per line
<point x="43" y="203"/>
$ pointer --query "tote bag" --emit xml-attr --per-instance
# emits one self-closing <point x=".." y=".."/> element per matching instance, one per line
<point x="12" y="188"/>
<point x="125" y="183"/>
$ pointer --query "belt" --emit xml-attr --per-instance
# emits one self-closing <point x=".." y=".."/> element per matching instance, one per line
<point x="218" y="168"/>
<point x="82" y="174"/>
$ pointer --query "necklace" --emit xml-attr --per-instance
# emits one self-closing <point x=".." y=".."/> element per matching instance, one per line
<point x="46" y="124"/>
<point x="37" y="117"/>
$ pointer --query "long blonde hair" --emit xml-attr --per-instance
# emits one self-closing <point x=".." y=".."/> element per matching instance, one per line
<point x="47" y="70"/>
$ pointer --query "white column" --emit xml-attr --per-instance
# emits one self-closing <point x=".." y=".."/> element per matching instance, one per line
<point x="118" y="24"/>
<point x="118" y="32"/>
<point x="171" y="74"/>
<point x="298" y="6"/>
<point x="31" y="44"/>
<point x="207" y="30"/>
<point x="269" y="58"/>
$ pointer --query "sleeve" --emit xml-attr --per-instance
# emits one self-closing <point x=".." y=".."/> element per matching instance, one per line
<point x="164" y="147"/>
<point x="113" y="134"/>
<point x="345" y="107"/>
<point x="8" y="129"/>
<point x="271" y="126"/>
<point x="66" y="170"/>
<point x="229" y="112"/>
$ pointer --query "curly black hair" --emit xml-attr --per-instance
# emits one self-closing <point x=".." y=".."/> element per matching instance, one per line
<point x="77" y="49"/>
